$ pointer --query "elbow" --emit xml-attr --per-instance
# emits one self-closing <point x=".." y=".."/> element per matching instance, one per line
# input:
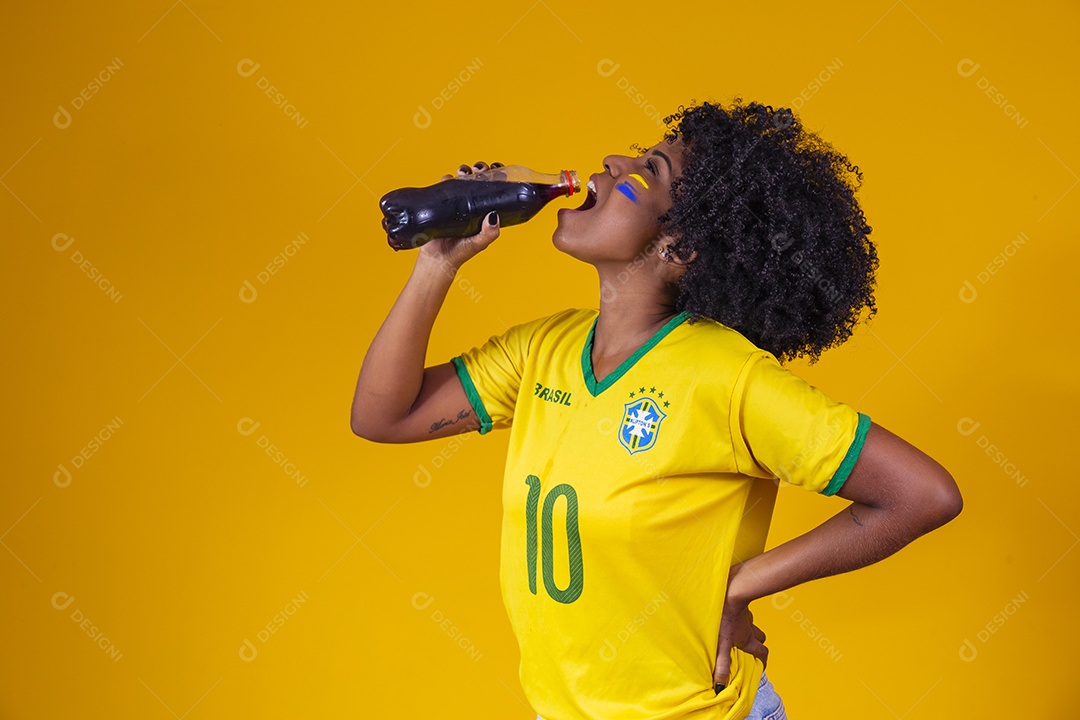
<point x="943" y="501"/>
<point x="360" y="422"/>
<point x="355" y="425"/>
<point x="371" y="431"/>
<point x="370" y="434"/>
<point x="366" y="431"/>
<point x="358" y="429"/>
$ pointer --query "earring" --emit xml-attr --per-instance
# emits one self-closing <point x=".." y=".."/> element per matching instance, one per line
<point x="663" y="252"/>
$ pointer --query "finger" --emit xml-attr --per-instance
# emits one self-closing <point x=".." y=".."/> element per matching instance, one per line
<point x="464" y="170"/>
<point x="492" y="221"/>
<point x="496" y="164"/>
<point x="489" y="230"/>
<point x="723" y="666"/>
<point x="758" y="650"/>
<point x="481" y="166"/>
<point x="757" y="633"/>
<point x="448" y="176"/>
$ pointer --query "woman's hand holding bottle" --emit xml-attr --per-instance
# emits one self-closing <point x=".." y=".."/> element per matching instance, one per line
<point x="397" y="397"/>
<point x="450" y="253"/>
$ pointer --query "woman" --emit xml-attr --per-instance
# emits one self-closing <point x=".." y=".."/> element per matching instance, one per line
<point x="646" y="436"/>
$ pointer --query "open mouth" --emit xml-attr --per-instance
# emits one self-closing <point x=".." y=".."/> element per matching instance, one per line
<point x="590" y="198"/>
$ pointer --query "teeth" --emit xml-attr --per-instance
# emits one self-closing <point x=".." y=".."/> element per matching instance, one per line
<point x="591" y="186"/>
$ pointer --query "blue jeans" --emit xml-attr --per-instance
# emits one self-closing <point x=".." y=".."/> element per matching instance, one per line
<point x="767" y="704"/>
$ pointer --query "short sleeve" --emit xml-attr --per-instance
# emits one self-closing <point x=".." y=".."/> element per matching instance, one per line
<point x="782" y="425"/>
<point x="491" y="374"/>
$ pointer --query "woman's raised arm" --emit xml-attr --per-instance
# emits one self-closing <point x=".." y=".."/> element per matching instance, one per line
<point x="397" y="399"/>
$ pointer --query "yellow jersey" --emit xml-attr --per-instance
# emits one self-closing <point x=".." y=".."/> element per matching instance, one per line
<point x="627" y="498"/>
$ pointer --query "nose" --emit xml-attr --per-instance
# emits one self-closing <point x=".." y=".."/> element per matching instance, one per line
<point x="613" y="164"/>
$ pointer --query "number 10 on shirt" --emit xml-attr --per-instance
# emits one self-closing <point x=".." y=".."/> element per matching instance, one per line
<point x="573" y="540"/>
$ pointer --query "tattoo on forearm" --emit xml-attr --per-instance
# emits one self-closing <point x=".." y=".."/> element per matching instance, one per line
<point x="462" y="414"/>
<point x="851" y="509"/>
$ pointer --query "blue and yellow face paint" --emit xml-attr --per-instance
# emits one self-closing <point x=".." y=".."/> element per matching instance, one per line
<point x="628" y="190"/>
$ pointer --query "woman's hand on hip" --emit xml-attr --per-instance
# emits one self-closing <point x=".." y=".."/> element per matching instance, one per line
<point x="737" y="630"/>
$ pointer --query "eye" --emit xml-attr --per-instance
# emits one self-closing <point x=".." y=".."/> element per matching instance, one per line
<point x="652" y="167"/>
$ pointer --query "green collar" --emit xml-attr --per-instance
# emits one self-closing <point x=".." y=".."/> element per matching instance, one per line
<point x="595" y="388"/>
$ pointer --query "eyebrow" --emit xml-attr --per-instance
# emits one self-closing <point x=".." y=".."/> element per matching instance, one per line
<point x="666" y="159"/>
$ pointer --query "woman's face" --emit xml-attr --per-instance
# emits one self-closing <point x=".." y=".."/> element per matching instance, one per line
<point x="631" y="195"/>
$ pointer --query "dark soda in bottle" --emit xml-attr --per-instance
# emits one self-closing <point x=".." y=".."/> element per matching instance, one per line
<point x="457" y="207"/>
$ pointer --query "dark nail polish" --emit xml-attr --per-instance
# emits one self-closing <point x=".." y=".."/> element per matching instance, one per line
<point x="493" y="218"/>
<point x="719" y="688"/>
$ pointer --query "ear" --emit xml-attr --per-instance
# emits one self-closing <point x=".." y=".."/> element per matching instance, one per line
<point x="684" y="263"/>
<point x="665" y="241"/>
<point x="678" y="262"/>
<point x="673" y="268"/>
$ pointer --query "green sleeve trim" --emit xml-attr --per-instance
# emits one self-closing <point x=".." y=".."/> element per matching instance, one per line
<point x="470" y="392"/>
<point x="849" y="460"/>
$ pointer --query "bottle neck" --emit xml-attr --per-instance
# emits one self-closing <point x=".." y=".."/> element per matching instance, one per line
<point x="568" y="186"/>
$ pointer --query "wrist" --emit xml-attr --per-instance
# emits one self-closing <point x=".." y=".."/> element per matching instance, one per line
<point x="739" y="593"/>
<point x="438" y="258"/>
<point x="434" y="271"/>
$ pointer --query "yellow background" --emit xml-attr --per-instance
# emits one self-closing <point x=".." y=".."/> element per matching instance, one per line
<point x="179" y="180"/>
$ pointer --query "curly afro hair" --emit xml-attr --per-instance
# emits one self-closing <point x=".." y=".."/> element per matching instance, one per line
<point x="766" y="219"/>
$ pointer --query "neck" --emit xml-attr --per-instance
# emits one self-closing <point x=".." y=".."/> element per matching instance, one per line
<point x="632" y="309"/>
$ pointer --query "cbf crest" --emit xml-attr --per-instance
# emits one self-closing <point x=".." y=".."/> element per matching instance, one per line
<point x="641" y="421"/>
